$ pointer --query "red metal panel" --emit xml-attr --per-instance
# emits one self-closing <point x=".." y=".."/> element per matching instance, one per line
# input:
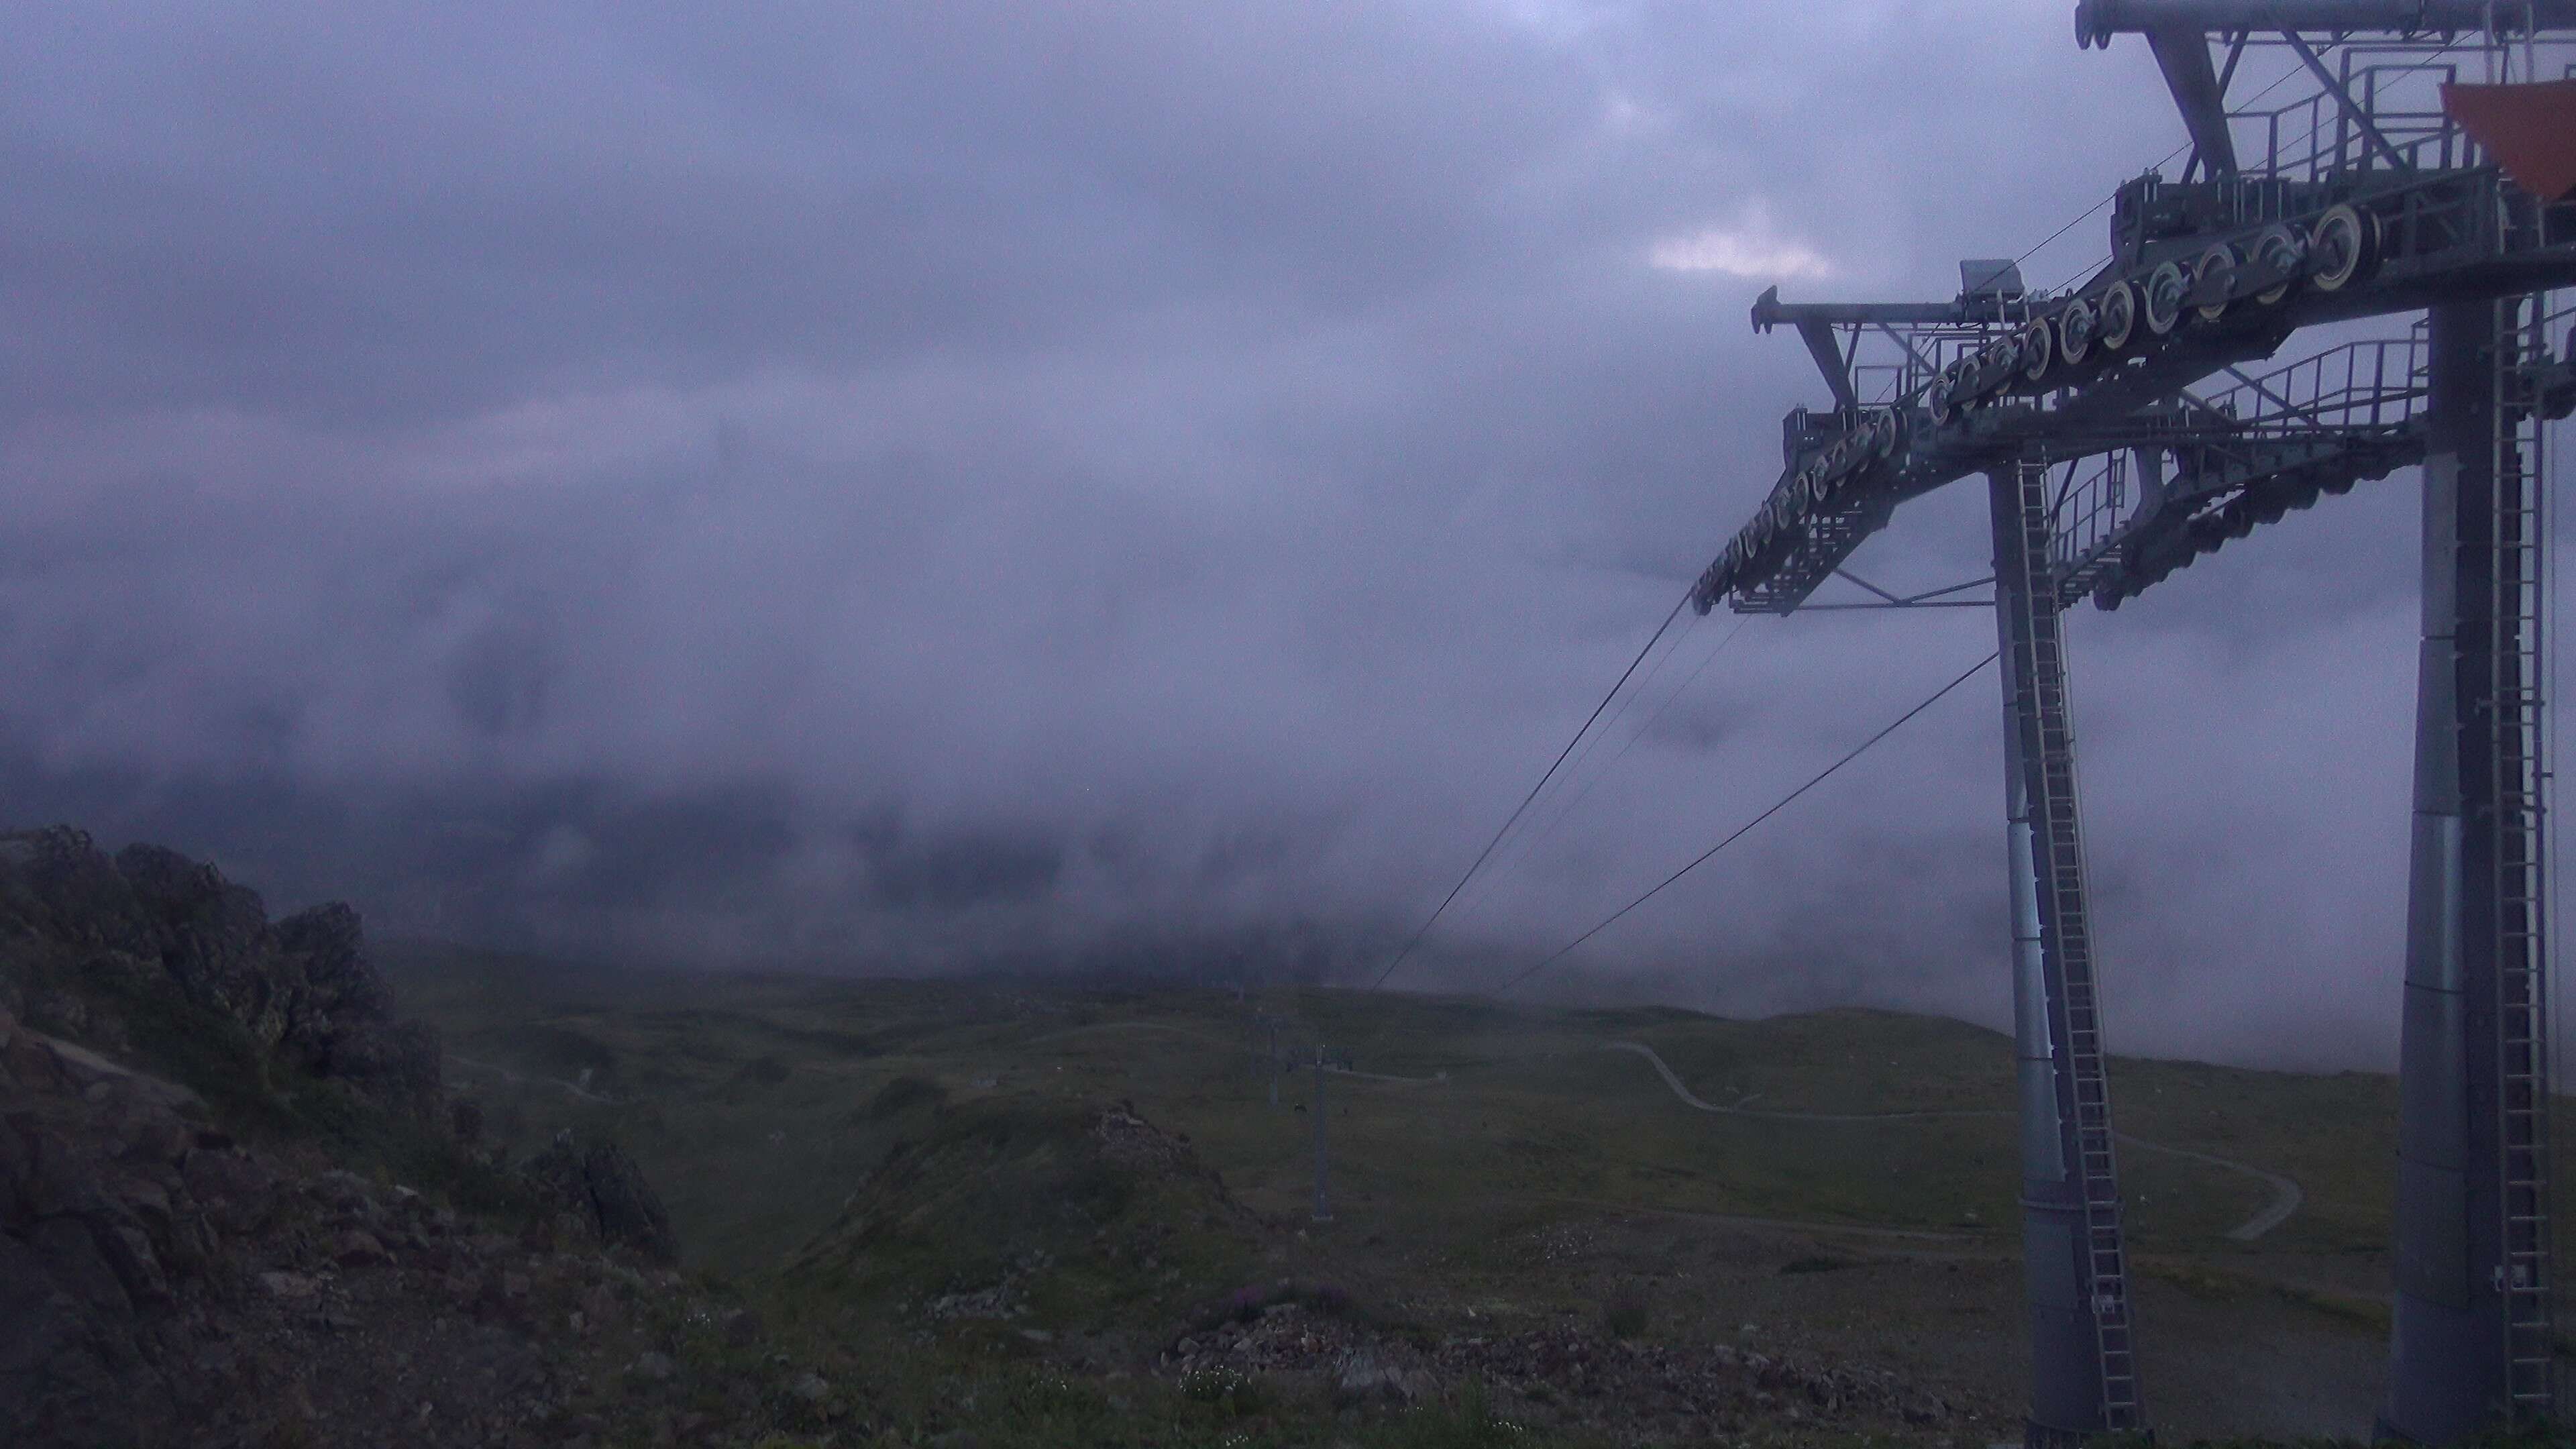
<point x="2529" y="129"/>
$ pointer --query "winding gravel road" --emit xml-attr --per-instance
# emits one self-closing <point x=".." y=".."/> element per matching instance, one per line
<point x="518" y="1077"/>
<point x="2286" y="1196"/>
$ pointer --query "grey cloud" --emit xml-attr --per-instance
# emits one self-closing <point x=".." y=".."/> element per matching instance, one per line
<point x="926" y="485"/>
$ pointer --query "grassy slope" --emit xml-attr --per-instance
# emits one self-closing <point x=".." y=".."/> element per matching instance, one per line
<point x="750" y="1097"/>
<point x="754" y="1104"/>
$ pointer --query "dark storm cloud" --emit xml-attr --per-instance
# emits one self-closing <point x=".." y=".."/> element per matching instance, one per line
<point x="924" y="484"/>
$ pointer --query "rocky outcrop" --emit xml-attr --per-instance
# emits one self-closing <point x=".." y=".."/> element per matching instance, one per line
<point x="344" y="1027"/>
<point x="213" y="939"/>
<point x="603" y="1194"/>
<point x="97" y="1218"/>
<point x="162" y="1286"/>
<point x="300" y="990"/>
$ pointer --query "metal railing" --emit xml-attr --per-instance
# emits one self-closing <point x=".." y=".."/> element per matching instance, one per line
<point x="2375" y="383"/>
<point x="2350" y="395"/>
<point x="2315" y="137"/>
<point x="2091" y="504"/>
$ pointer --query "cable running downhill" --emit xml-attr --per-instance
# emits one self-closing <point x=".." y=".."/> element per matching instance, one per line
<point x="1524" y="806"/>
<point x="1747" y="828"/>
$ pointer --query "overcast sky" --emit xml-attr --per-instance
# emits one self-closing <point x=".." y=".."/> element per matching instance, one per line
<point x="908" y="485"/>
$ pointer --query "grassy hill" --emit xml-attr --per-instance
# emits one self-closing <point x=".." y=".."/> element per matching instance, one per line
<point x="1490" y="1163"/>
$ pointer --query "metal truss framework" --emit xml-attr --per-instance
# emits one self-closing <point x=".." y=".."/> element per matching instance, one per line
<point x="2123" y="435"/>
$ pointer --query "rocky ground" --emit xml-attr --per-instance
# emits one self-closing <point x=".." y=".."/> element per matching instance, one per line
<point x="168" y="1276"/>
<point x="1569" y="1374"/>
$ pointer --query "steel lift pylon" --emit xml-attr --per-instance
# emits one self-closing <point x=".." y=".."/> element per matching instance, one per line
<point x="2121" y="437"/>
<point x="2473" y="1316"/>
<point x="2084" y="1373"/>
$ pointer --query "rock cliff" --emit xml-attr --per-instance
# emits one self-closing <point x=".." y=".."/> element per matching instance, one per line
<point x="88" y="944"/>
<point x="185" y="1256"/>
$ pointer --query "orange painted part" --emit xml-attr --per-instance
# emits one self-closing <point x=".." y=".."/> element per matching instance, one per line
<point x="2529" y="129"/>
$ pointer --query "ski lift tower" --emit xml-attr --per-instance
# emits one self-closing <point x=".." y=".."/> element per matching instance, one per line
<point x="2423" y="165"/>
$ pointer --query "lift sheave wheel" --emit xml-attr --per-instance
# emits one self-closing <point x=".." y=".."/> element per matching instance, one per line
<point x="2117" y="319"/>
<point x="2218" y="262"/>
<point x="2161" y="305"/>
<point x="2075" y="331"/>
<point x="1936" y="398"/>
<point x="2344" y="248"/>
<point x="1884" y="432"/>
<point x="2279" y="249"/>
<point x="1995" y="367"/>
<point x="2038" y="350"/>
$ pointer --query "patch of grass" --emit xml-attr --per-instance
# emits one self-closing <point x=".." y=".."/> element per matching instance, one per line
<point x="367" y="1138"/>
<point x="903" y="1094"/>
<point x="2216" y="1284"/>
<point x="763" y="1072"/>
<point x="560" y="1049"/>
<point x="205" y="1051"/>
<point x="1063" y="1229"/>
<point x="1467" y="1420"/>
<point x="1236" y="1393"/>
<point x="1623" y="1313"/>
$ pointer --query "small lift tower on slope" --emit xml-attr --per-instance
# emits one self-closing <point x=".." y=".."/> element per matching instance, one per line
<point x="2426" y="163"/>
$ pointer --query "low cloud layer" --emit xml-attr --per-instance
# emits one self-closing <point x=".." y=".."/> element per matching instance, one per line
<point x="920" y="486"/>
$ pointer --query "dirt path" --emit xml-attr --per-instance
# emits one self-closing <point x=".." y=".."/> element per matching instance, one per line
<point x="1816" y="1226"/>
<point x="2286" y="1196"/>
<point x="1213" y="1038"/>
<point x="507" y="1075"/>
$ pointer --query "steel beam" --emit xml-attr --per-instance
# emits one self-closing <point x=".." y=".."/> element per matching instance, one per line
<point x="1769" y="312"/>
<point x="2353" y="111"/>
<point x="2182" y="53"/>
<point x="2096" y="21"/>
<point x="1819" y="337"/>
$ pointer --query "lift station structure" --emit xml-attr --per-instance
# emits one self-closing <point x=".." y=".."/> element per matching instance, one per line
<point x="2424" y="164"/>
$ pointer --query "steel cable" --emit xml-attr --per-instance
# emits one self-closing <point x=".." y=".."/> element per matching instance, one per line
<point x="1523" y="808"/>
<point x="1747" y="827"/>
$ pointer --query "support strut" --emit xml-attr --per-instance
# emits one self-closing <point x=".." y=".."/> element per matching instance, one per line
<point x="2074" y="1264"/>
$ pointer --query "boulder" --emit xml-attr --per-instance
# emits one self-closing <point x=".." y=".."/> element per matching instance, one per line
<point x="327" y="945"/>
<point x="238" y="1194"/>
<point x="604" y="1192"/>
<point x="344" y="1027"/>
<point x="65" y="1380"/>
<point x="396" y="1063"/>
<point x="1368" y="1377"/>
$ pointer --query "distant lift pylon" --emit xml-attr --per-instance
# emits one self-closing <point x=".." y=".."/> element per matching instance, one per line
<point x="2421" y="165"/>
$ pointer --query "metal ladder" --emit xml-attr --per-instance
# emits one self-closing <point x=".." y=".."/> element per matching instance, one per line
<point x="2518" y="540"/>
<point x="2066" y="929"/>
